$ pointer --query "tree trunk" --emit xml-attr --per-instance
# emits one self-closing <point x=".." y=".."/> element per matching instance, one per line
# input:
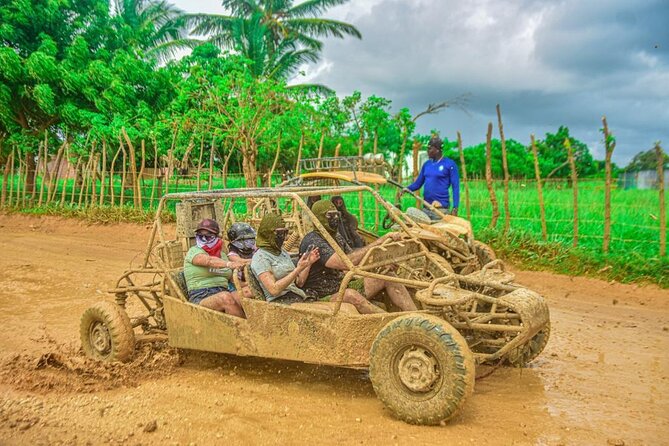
<point x="505" y="166"/>
<point x="249" y="154"/>
<point x="574" y="185"/>
<point x="464" y="176"/>
<point x="537" y="176"/>
<point x="488" y="178"/>
<point x="337" y="149"/>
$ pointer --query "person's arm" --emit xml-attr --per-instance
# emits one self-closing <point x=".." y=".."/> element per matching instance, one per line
<point x="314" y="255"/>
<point x="455" y="185"/>
<point x="233" y="256"/>
<point x="419" y="181"/>
<point x="336" y="262"/>
<point x="275" y="287"/>
<point x="208" y="261"/>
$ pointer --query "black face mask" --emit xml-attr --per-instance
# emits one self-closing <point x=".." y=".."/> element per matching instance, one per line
<point x="333" y="220"/>
<point x="280" y="238"/>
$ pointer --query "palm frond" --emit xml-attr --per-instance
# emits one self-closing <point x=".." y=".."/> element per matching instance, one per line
<point x="324" y="27"/>
<point x="313" y="8"/>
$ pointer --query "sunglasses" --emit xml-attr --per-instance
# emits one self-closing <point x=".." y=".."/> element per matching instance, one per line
<point x="332" y="214"/>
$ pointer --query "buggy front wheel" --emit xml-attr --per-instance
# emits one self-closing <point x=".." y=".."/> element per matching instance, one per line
<point x="421" y="369"/>
<point x="106" y="333"/>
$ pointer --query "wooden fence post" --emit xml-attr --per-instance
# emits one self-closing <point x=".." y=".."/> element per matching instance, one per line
<point x="103" y="173"/>
<point x="42" y="161"/>
<point x="574" y="185"/>
<point x="488" y="177"/>
<point x="140" y="176"/>
<point x="199" y="163"/>
<point x="660" y="185"/>
<point x="537" y="175"/>
<point x="10" y="177"/>
<point x="5" y="178"/>
<point x="505" y="166"/>
<point x="55" y="176"/>
<point x="609" y="144"/>
<point x="464" y="175"/>
<point x="276" y="158"/>
<point x="112" y="189"/>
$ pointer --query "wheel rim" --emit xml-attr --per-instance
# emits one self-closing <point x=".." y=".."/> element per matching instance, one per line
<point x="100" y="338"/>
<point x="418" y="370"/>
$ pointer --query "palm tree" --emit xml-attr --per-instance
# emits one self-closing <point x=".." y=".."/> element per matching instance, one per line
<point x="156" y="27"/>
<point x="276" y="35"/>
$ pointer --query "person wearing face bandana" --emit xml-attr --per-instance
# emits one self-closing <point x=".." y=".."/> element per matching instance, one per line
<point x="242" y="246"/>
<point x="326" y="274"/>
<point x="207" y="270"/>
<point x="279" y="278"/>
<point x="348" y="225"/>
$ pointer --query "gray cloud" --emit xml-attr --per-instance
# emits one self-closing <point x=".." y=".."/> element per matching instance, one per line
<point x="547" y="62"/>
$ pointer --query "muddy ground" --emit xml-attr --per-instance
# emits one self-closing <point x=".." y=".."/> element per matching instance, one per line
<point x="603" y="379"/>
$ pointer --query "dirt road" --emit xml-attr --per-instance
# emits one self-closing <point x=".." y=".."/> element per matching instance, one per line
<point x="603" y="379"/>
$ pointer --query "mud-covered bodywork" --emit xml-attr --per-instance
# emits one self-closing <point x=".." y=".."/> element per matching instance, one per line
<point x="470" y="318"/>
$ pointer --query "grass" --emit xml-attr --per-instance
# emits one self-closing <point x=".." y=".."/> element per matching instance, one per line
<point x="635" y="233"/>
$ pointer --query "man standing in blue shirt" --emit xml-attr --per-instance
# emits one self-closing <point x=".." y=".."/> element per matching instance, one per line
<point x="437" y="175"/>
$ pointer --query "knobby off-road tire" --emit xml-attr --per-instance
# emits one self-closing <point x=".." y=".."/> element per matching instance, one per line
<point x="106" y="333"/>
<point x="484" y="253"/>
<point x="528" y="352"/>
<point x="421" y="369"/>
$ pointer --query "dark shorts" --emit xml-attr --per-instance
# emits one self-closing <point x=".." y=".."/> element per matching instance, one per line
<point x="291" y="298"/>
<point x="196" y="296"/>
<point x="433" y="215"/>
<point x="355" y="284"/>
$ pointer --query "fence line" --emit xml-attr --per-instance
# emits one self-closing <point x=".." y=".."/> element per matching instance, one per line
<point x="637" y="219"/>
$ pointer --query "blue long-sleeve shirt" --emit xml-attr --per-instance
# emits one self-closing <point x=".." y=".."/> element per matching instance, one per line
<point x="438" y="176"/>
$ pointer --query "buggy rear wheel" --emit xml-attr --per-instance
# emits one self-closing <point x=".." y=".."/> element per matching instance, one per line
<point x="106" y="333"/>
<point x="421" y="369"/>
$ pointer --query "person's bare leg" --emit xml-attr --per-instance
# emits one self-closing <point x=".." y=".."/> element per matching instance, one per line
<point x="359" y="302"/>
<point x="224" y="302"/>
<point x="399" y="295"/>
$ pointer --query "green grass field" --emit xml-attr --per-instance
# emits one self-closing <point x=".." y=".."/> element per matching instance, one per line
<point x="635" y="227"/>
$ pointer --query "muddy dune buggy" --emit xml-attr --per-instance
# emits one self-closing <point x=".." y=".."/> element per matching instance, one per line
<point x="451" y="237"/>
<point x="421" y="363"/>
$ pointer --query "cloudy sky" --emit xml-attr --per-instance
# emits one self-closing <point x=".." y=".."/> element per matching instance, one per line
<point x="546" y="62"/>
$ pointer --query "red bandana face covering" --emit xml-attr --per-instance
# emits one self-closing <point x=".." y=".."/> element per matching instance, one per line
<point x="213" y="249"/>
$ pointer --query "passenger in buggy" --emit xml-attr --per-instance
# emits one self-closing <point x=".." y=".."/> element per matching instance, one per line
<point x="279" y="278"/>
<point x="208" y="269"/>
